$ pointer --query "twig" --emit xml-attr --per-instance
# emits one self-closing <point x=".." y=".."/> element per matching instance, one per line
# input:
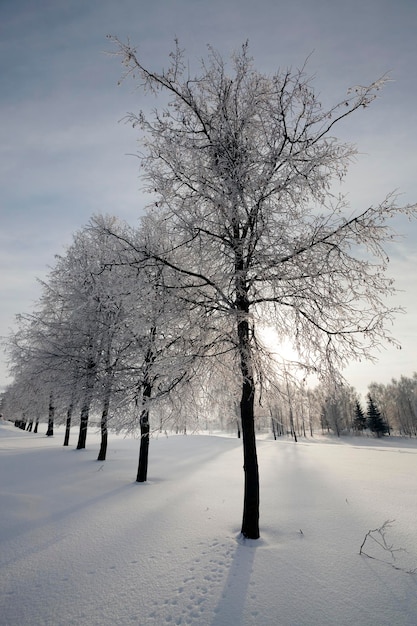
<point x="378" y="536"/>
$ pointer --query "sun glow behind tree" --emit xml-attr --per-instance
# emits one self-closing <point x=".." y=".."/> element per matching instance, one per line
<point x="240" y="161"/>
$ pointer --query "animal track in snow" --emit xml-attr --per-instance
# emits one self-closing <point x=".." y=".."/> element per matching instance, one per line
<point x="193" y="600"/>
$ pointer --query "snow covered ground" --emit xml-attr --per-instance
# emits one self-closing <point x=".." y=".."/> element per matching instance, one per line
<point x="83" y="544"/>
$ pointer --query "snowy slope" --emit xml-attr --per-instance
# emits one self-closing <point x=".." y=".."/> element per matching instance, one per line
<point x="82" y="543"/>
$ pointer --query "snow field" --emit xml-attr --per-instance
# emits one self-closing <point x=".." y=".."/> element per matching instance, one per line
<point x="82" y="543"/>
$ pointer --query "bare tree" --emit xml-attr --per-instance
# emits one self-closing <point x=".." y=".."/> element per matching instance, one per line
<point x="26" y="398"/>
<point x="97" y="306"/>
<point x="398" y="403"/>
<point x="337" y="405"/>
<point x="164" y="336"/>
<point x="241" y="165"/>
<point x="36" y="363"/>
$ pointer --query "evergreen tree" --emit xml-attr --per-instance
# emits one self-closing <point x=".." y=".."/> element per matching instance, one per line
<point x="359" y="421"/>
<point x="376" y="422"/>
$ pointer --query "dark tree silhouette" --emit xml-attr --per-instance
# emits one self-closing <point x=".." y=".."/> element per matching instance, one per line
<point x="359" y="421"/>
<point x="376" y="423"/>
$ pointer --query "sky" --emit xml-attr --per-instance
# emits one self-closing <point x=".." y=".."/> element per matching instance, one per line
<point x="66" y="154"/>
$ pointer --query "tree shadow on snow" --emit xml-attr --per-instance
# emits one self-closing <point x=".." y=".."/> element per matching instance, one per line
<point x="230" y="607"/>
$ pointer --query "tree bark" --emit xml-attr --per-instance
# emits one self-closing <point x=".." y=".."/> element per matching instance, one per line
<point x="68" y="425"/>
<point x="142" y="474"/>
<point x="82" y="436"/>
<point x="274" y="430"/>
<point x="51" y="415"/>
<point x="103" y="426"/>
<point x="85" y="409"/>
<point x="250" y="521"/>
<point x="292" y="427"/>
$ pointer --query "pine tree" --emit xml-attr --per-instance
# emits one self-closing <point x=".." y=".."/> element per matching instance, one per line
<point x="376" y="422"/>
<point x="359" y="421"/>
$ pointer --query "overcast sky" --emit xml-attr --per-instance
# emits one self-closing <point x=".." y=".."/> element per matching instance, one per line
<point x="65" y="155"/>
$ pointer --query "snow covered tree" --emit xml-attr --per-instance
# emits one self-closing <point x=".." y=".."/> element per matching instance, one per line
<point x="25" y="399"/>
<point x="69" y="340"/>
<point x="241" y="165"/>
<point x="99" y="309"/>
<point x="332" y="416"/>
<point x="165" y="336"/>
<point x="163" y="359"/>
<point x="400" y="400"/>
<point x="36" y="363"/>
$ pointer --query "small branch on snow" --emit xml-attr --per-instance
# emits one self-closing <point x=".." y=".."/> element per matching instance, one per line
<point x="378" y="536"/>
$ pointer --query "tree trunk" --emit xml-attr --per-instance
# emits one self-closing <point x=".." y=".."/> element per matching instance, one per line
<point x="85" y="409"/>
<point x="292" y="427"/>
<point x="51" y="415"/>
<point x="103" y="445"/>
<point x="82" y="436"/>
<point x="144" y="447"/>
<point x="68" y="425"/>
<point x="144" y="416"/>
<point x="103" y="426"/>
<point x="35" y="430"/>
<point x="250" y="521"/>
<point x="144" y="434"/>
<point x="274" y="430"/>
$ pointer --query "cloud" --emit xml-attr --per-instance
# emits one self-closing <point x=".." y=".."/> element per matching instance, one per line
<point x="63" y="152"/>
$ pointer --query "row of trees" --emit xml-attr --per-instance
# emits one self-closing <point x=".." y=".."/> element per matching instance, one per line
<point x="245" y="231"/>
<point x="294" y="410"/>
<point x="105" y="331"/>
